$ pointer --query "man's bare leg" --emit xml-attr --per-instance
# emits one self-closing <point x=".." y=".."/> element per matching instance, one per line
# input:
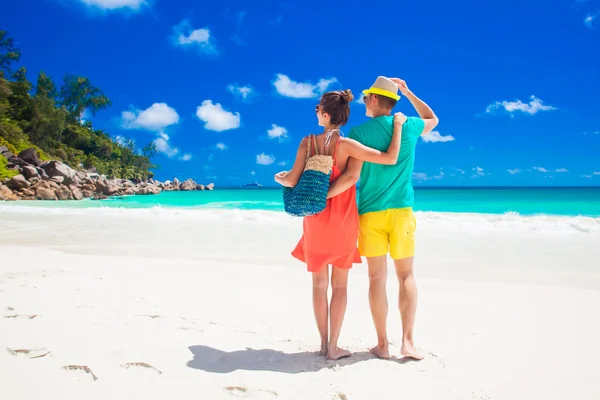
<point x="337" y="310"/>
<point x="379" y="304"/>
<point x="320" y="304"/>
<point x="407" y="302"/>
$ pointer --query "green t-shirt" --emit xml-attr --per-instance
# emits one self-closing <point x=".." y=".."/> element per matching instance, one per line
<point x="383" y="187"/>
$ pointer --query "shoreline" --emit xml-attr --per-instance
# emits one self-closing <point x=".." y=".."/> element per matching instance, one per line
<point x="200" y="211"/>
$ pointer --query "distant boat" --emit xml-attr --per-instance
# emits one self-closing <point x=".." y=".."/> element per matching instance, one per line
<point x="253" y="184"/>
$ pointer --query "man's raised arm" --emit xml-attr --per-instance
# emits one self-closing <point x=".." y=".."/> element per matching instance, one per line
<point x="424" y="111"/>
<point x="348" y="178"/>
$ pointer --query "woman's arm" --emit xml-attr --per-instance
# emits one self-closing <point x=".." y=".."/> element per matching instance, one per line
<point x="347" y="179"/>
<point x="361" y="152"/>
<point x="290" y="179"/>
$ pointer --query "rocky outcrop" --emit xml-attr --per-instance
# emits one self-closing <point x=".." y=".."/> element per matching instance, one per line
<point x="43" y="193"/>
<point x="63" y="193"/>
<point x="7" y="194"/>
<point x="30" y="172"/>
<point x="56" y="168"/>
<point x="188" y="185"/>
<point x="30" y="157"/>
<point x="18" y="182"/>
<point x="55" y="180"/>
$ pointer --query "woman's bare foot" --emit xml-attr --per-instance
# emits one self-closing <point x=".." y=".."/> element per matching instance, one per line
<point x="381" y="352"/>
<point x="324" y="349"/>
<point x="408" y="350"/>
<point x="335" y="353"/>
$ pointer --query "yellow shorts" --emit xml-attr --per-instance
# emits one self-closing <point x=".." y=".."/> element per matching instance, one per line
<point x="390" y="230"/>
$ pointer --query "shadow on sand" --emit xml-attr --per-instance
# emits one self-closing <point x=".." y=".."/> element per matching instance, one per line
<point x="217" y="361"/>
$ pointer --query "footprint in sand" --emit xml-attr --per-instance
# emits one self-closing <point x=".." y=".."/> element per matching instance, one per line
<point x="440" y="359"/>
<point x="150" y="316"/>
<point x="140" y="365"/>
<point x="340" y="396"/>
<point x="83" y="368"/>
<point x="242" y="391"/>
<point x="30" y="353"/>
<point x="20" y="316"/>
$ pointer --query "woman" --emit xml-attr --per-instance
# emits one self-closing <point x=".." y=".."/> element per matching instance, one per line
<point x="330" y="237"/>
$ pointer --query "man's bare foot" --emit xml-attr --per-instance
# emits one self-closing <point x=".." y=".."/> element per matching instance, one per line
<point x="381" y="352"/>
<point x="335" y="353"/>
<point x="324" y="349"/>
<point x="408" y="350"/>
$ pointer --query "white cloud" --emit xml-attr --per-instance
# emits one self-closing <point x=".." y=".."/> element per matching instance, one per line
<point x="540" y="169"/>
<point x="243" y="92"/>
<point x="282" y="164"/>
<point x="163" y="146"/>
<point x="435" y="137"/>
<point x="589" y="20"/>
<point x="216" y="118"/>
<point x="301" y="90"/>
<point x="460" y="171"/>
<point x="121" y="140"/>
<point x="116" y="4"/>
<point x="596" y="173"/>
<point x="277" y="132"/>
<point x="514" y="171"/>
<point x="221" y="146"/>
<point x="478" y="172"/>
<point x="533" y="107"/>
<point x="155" y="118"/>
<point x="200" y="39"/>
<point x="264" y="159"/>
<point x="253" y="173"/>
<point x="420" y="176"/>
<point x="586" y="176"/>
<point x="559" y="170"/>
<point x="186" y="157"/>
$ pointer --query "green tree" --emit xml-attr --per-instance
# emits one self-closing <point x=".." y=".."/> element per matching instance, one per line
<point x="45" y="87"/>
<point x="8" y="53"/>
<point x="20" y="98"/>
<point x="77" y="94"/>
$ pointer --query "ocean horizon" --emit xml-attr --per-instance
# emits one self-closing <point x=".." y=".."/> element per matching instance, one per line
<point x="526" y="201"/>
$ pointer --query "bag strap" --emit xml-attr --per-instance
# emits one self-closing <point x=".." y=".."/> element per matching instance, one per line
<point x="315" y="145"/>
<point x="308" y="147"/>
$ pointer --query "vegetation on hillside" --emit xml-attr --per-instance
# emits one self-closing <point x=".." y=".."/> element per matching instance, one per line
<point x="49" y="118"/>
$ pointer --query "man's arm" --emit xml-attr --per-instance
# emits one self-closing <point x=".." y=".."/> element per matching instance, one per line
<point x="348" y="178"/>
<point x="424" y="111"/>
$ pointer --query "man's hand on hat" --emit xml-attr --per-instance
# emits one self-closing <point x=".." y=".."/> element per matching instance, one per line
<point x="401" y="85"/>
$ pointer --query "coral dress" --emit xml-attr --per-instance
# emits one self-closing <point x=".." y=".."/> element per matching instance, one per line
<point x="330" y="237"/>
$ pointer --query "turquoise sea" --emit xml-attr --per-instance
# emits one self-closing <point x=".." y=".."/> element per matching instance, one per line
<point x="524" y="201"/>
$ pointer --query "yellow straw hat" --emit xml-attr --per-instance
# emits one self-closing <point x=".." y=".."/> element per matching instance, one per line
<point x="384" y="87"/>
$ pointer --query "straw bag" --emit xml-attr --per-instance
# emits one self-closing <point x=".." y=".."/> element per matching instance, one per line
<point x="309" y="196"/>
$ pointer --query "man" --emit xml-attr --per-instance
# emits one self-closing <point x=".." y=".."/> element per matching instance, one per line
<point x="386" y="198"/>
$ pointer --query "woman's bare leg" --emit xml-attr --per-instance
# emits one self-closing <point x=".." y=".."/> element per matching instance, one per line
<point x="320" y="304"/>
<point x="339" y="299"/>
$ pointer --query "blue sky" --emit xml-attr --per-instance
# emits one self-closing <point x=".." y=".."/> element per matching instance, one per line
<point x="227" y="89"/>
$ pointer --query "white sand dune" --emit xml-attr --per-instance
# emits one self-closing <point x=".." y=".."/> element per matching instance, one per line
<point x="100" y="304"/>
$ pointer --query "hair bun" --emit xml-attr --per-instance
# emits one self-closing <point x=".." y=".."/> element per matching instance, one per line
<point x="347" y="95"/>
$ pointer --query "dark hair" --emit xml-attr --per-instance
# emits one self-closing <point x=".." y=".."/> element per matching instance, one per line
<point x="337" y="105"/>
<point x="386" y="102"/>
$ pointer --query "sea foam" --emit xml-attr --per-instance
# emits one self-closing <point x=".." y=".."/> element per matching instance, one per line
<point x="454" y="222"/>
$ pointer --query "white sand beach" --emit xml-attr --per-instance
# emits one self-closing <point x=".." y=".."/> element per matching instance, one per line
<point x="159" y="304"/>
